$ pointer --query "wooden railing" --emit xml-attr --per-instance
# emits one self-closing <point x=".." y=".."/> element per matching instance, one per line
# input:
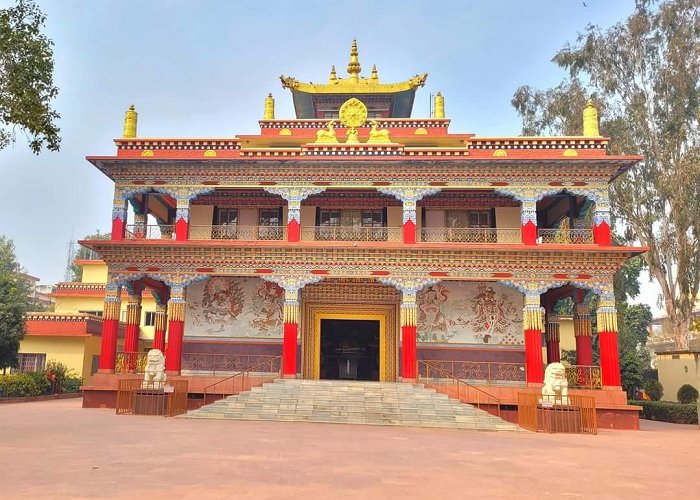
<point x="455" y="388"/>
<point x="470" y="235"/>
<point x="576" y="414"/>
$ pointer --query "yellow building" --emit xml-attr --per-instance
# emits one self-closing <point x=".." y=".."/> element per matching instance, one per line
<point x="72" y="334"/>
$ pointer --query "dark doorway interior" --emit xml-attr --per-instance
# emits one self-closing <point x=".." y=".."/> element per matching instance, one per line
<point x="349" y="349"/>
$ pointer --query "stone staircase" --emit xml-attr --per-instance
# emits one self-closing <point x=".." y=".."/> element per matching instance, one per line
<point x="352" y="402"/>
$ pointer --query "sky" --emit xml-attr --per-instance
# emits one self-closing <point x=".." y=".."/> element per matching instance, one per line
<point x="203" y="68"/>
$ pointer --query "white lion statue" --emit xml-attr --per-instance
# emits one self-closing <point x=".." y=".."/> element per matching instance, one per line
<point x="154" y="376"/>
<point x="556" y="387"/>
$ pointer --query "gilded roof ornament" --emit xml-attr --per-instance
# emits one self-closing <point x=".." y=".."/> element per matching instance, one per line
<point x="354" y="84"/>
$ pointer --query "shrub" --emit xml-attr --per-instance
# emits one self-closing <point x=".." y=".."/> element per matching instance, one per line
<point x="665" y="411"/>
<point x="654" y="389"/>
<point x="19" y="385"/>
<point x="41" y="381"/>
<point x="687" y="394"/>
<point x="71" y="384"/>
<point x="56" y="373"/>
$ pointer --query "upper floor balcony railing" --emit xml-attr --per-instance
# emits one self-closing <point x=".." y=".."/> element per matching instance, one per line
<point x="351" y="233"/>
<point x="560" y="236"/>
<point x="150" y="232"/>
<point x="236" y="232"/>
<point x="470" y="235"/>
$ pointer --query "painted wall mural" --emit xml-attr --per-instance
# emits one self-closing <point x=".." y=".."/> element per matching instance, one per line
<point x="227" y="307"/>
<point x="470" y="313"/>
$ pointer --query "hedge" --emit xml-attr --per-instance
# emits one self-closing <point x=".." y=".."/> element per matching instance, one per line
<point x="19" y="385"/>
<point x="665" y="411"/>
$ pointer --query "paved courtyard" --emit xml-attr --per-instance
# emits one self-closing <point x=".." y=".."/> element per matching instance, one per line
<point x="56" y="449"/>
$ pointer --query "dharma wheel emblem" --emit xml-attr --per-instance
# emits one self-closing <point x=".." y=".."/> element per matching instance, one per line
<point x="353" y="113"/>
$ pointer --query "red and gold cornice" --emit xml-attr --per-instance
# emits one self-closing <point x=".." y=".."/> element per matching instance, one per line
<point x="365" y="260"/>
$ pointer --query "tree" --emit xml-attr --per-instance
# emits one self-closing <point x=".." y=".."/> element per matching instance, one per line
<point x="26" y="78"/>
<point x="644" y="75"/>
<point x="632" y="374"/>
<point x="15" y="291"/>
<point x="85" y="253"/>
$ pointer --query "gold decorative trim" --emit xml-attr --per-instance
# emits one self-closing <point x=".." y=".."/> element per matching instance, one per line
<point x="147" y="153"/>
<point x="210" y="153"/>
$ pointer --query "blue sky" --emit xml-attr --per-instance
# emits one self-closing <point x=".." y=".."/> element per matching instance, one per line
<point x="203" y="68"/>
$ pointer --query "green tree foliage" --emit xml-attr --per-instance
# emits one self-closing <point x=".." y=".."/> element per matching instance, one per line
<point x="26" y="78"/>
<point x="644" y="75"/>
<point x="15" y="290"/>
<point x="687" y="394"/>
<point x="631" y="372"/>
<point x="654" y="389"/>
<point x="85" y="253"/>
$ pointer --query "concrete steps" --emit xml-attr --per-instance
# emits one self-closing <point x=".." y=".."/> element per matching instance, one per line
<point x="352" y="402"/>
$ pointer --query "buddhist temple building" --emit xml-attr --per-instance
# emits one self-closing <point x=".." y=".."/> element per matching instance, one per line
<point x="357" y="241"/>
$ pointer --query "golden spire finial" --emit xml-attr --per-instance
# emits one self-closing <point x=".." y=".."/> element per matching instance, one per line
<point x="333" y="76"/>
<point x="590" y="120"/>
<point x="439" y="106"/>
<point x="374" y="76"/>
<point x="269" y="113"/>
<point x="354" y="67"/>
<point x="130" y="123"/>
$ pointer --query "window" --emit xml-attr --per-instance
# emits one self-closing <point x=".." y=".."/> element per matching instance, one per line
<point x="95" y="364"/>
<point x="225" y="223"/>
<point x="269" y="217"/>
<point x="351" y="225"/>
<point x="468" y="218"/>
<point x="31" y="362"/>
<point x="270" y="223"/>
<point x="149" y="318"/>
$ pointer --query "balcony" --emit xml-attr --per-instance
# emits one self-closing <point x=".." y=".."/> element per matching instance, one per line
<point x="351" y="233"/>
<point x="470" y="235"/>
<point x="236" y="232"/>
<point x="562" y="236"/>
<point x="150" y="232"/>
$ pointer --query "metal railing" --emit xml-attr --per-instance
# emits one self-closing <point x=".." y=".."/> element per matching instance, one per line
<point x="130" y="362"/>
<point x="566" y="236"/>
<point x="212" y="365"/>
<point x="584" y="376"/>
<point x="575" y="414"/>
<point x="236" y="232"/>
<point x="150" y="232"/>
<point x="444" y="383"/>
<point x="351" y="233"/>
<point x="254" y="376"/>
<point x="133" y="398"/>
<point x="488" y="372"/>
<point x="470" y="235"/>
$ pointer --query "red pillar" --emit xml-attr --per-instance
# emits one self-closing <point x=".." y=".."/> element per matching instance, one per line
<point x="119" y="220"/>
<point x="602" y="235"/>
<point x="529" y="233"/>
<point x="528" y="222"/>
<point x="408" y="352"/>
<point x="110" y="329"/>
<point x="409" y="232"/>
<point x="182" y="229"/>
<point x="131" y="335"/>
<point x="583" y="334"/>
<point x="289" y="350"/>
<point x="293" y="231"/>
<point x="533" y="357"/>
<point x="173" y="352"/>
<point x="533" y="316"/>
<point x="161" y="321"/>
<point x="607" y="336"/>
<point x="552" y="334"/>
<point x="176" y="331"/>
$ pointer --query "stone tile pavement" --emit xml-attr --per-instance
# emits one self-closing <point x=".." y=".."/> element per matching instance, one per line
<point x="56" y="449"/>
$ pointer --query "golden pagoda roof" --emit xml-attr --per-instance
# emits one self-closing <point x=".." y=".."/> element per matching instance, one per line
<point x="354" y="83"/>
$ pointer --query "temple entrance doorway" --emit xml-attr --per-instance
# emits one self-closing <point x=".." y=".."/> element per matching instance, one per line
<point x="349" y="349"/>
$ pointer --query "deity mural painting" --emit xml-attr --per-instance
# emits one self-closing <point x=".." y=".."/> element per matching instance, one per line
<point x="470" y="313"/>
<point x="229" y="307"/>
